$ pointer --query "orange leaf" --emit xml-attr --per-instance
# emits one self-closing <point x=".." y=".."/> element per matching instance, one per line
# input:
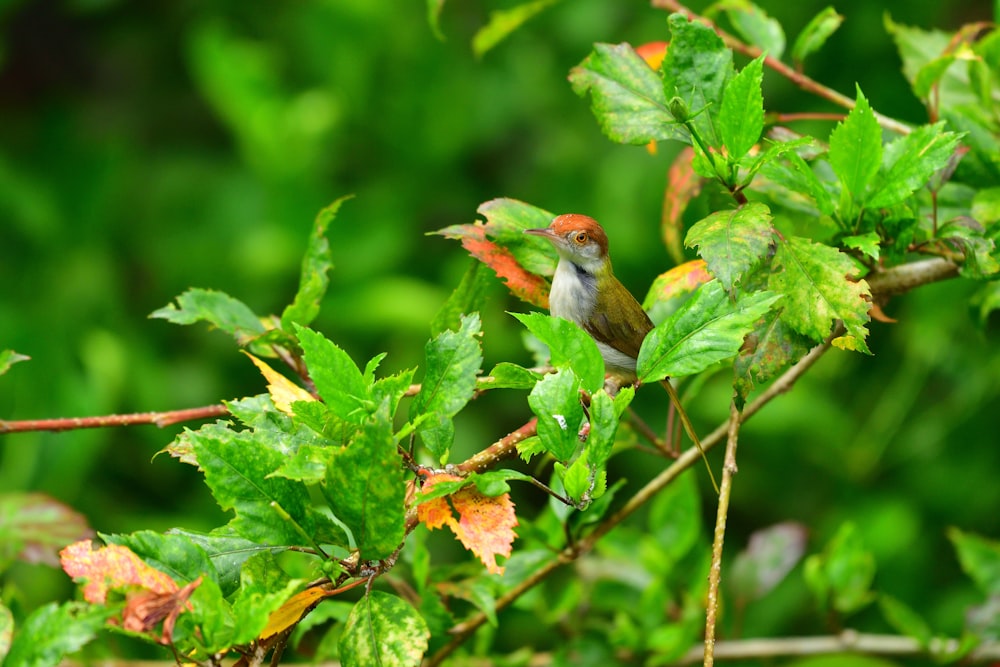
<point x="678" y="281"/>
<point x="523" y="284"/>
<point x="653" y="53"/>
<point x="111" y="567"/>
<point x="283" y="391"/>
<point x="485" y="524"/>
<point x="144" y="610"/>
<point x="683" y="185"/>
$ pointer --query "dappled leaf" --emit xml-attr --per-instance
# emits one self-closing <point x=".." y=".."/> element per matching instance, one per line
<point x="770" y="348"/>
<point x="627" y="96"/>
<point x="856" y="150"/>
<point x="313" y="279"/>
<point x="8" y="358"/>
<point x="683" y="185"/>
<point x="503" y="22"/>
<point x="176" y="555"/>
<point x="283" y="391"/>
<point x="733" y="242"/>
<point x="218" y="309"/>
<point x="770" y="555"/>
<point x="569" y="347"/>
<point x="34" y="526"/>
<point x="109" y="568"/>
<point x="383" y="630"/>
<point x="676" y="285"/>
<point x="485" y="524"/>
<point x="814" y="35"/>
<point x="816" y="281"/>
<point x="707" y="329"/>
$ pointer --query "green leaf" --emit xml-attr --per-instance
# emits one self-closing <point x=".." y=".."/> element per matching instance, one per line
<point x="707" y="329"/>
<point x="569" y="347"/>
<point x="506" y="375"/>
<point x="979" y="558"/>
<point x="816" y="282"/>
<point x="909" y="163"/>
<point x="313" y="279"/>
<point x="238" y="469"/>
<point x="35" y="526"/>
<point x="8" y="358"/>
<point x="841" y="577"/>
<point x="756" y="27"/>
<point x="986" y="206"/>
<point x="769" y="349"/>
<point x="54" y="631"/>
<point x="867" y="243"/>
<point x="365" y="486"/>
<point x="227" y="552"/>
<point x="505" y="21"/>
<point x="556" y="402"/>
<point x="494" y="482"/>
<point x="905" y="620"/>
<point x="211" y="620"/>
<point x="453" y="361"/>
<point x="696" y="69"/>
<point x="675" y="520"/>
<point x="733" y="242"/>
<point x="264" y="587"/>
<point x="770" y="555"/>
<point x="856" y="150"/>
<point x="383" y="630"/>
<point x="795" y="174"/>
<point x="218" y="309"/>
<point x="393" y="388"/>
<point x="434" y="8"/>
<point x="627" y="96"/>
<point x="741" y="118"/>
<point x="604" y="414"/>
<point x="337" y="378"/>
<point x="814" y="35"/>
<point x="6" y="631"/>
<point x="174" y="554"/>
<point x="467" y="298"/>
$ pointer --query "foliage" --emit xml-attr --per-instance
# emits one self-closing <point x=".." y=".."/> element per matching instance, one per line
<point x="331" y="482"/>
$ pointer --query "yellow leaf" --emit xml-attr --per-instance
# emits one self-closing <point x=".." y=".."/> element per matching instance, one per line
<point x="283" y="391"/>
<point x="291" y="612"/>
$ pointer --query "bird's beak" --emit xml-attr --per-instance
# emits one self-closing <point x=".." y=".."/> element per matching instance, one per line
<point x="546" y="232"/>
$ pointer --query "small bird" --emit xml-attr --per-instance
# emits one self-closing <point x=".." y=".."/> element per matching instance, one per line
<point x="585" y="291"/>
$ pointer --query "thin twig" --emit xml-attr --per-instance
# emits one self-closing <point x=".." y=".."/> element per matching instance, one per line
<point x="798" y="78"/>
<point x="160" y="419"/>
<point x="715" y="571"/>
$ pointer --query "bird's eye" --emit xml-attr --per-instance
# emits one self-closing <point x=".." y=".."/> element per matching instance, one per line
<point x="581" y="237"/>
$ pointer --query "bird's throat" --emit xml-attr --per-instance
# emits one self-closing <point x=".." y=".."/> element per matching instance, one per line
<point x="574" y="292"/>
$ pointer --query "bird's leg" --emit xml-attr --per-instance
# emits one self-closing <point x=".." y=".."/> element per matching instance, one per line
<point x="686" y="422"/>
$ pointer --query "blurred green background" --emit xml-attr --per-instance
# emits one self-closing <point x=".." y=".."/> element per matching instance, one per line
<point x="149" y="147"/>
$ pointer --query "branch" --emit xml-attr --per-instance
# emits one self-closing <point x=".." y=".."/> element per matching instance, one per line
<point x="715" y="571"/>
<point x="160" y="419"/>
<point x="798" y="78"/>
<point x="847" y="641"/>
<point x="903" y="278"/>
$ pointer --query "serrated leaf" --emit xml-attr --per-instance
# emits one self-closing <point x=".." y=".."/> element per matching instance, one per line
<point x="770" y="555"/>
<point x="697" y="67"/>
<point x="467" y="298"/>
<point x="485" y="524"/>
<point x="707" y="329"/>
<point x="757" y="28"/>
<point x="816" y="282"/>
<point x="337" y="378"/>
<point x="767" y="350"/>
<point x="8" y="358"/>
<point x="238" y="469"/>
<point x="506" y="375"/>
<point x="383" y="630"/>
<point x="867" y="243"/>
<point x="586" y="478"/>
<point x="34" y="526"/>
<point x="909" y="163"/>
<point x="453" y="360"/>
<point x="283" y="391"/>
<point x="856" y="149"/>
<point x="733" y="242"/>
<point x="174" y="554"/>
<point x="814" y="35"/>
<point x="218" y="309"/>
<point x="569" y="347"/>
<point x="505" y="21"/>
<point x="365" y="486"/>
<point x="556" y="402"/>
<point x="979" y="558"/>
<point x="313" y="280"/>
<point x="627" y="96"/>
<point x="36" y="645"/>
<point x="741" y="118"/>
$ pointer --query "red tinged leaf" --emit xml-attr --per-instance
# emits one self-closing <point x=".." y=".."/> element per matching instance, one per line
<point x="653" y="53"/>
<point x="143" y="611"/>
<point x="683" y="185"/>
<point x="35" y="526"/>
<point x="522" y="283"/>
<point x="112" y="567"/>
<point x="485" y="525"/>
<point x="678" y="281"/>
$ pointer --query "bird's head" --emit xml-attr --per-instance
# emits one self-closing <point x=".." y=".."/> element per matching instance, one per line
<point x="577" y="238"/>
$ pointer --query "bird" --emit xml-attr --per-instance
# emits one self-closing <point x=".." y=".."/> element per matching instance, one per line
<point x="586" y="292"/>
